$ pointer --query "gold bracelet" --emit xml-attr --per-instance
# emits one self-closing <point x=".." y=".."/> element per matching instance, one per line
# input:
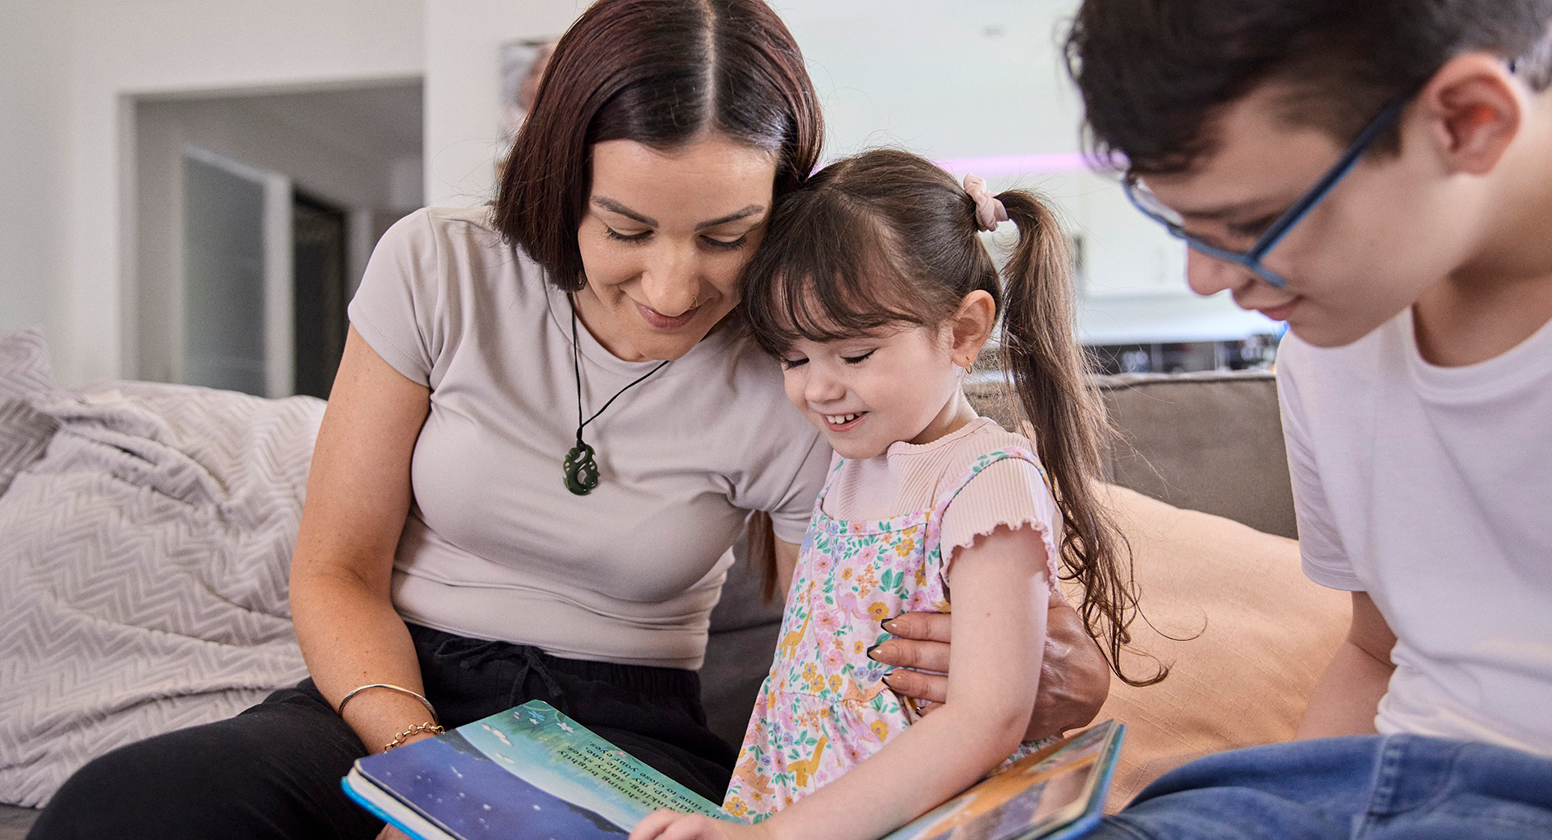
<point x="340" y="709"/>
<point x="399" y="739"/>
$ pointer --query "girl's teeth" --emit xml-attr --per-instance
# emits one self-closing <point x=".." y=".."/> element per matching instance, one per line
<point x="840" y="419"/>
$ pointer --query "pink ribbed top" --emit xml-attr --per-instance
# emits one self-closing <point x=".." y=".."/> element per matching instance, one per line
<point x="911" y="477"/>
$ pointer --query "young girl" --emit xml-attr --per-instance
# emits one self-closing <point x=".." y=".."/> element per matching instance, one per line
<point x="876" y="293"/>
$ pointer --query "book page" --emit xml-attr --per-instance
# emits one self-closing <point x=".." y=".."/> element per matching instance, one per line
<point x="556" y="754"/>
<point x="636" y="781"/>
<point x="528" y="773"/>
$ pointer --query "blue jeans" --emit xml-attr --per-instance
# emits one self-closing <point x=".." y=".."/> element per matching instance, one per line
<point x="1371" y="787"/>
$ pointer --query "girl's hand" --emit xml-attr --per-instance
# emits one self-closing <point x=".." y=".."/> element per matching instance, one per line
<point x="673" y="825"/>
<point x="391" y="833"/>
<point x="1074" y="677"/>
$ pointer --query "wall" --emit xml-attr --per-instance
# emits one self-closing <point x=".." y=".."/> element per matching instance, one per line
<point x="973" y="80"/>
<point x="970" y="79"/>
<point x="119" y="50"/>
<point x="34" y="93"/>
<point x="463" y="87"/>
<point x="919" y="73"/>
<point x="244" y="130"/>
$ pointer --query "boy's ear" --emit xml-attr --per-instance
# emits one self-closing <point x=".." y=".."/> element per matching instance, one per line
<point x="1473" y="108"/>
<point x="971" y="325"/>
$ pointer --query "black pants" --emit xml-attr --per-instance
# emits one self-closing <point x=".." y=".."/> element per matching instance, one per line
<point x="274" y="771"/>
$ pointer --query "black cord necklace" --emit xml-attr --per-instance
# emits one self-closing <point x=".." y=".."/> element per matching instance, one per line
<point x="581" y="467"/>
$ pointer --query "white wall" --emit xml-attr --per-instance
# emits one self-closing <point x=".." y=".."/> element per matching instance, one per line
<point x="121" y="49"/>
<point x="967" y="79"/>
<point x="34" y="89"/>
<point x="918" y="73"/>
<point x="463" y="87"/>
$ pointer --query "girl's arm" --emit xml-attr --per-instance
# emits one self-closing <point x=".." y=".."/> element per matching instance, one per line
<point x="358" y="495"/>
<point x="999" y="588"/>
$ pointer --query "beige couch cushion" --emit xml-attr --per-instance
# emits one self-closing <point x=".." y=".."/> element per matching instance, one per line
<point x="1263" y="634"/>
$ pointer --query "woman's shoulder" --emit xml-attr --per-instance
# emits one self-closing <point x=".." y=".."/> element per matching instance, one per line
<point x="450" y="254"/>
<point x="440" y="278"/>
<point x="452" y="231"/>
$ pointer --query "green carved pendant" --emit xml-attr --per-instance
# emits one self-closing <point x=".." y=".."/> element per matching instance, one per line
<point x="581" y="469"/>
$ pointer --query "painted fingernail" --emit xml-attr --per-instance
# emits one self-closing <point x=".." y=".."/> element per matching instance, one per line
<point x="886" y="623"/>
<point x="869" y="652"/>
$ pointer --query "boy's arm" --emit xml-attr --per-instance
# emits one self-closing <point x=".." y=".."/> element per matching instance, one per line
<point x="1348" y="694"/>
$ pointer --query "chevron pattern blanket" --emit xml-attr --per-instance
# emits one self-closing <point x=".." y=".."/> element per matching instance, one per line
<point x="143" y="565"/>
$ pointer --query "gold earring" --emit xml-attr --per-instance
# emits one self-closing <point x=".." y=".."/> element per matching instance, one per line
<point x="968" y="366"/>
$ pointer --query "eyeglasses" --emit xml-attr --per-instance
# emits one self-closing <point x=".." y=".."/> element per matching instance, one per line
<point x="1150" y="206"/>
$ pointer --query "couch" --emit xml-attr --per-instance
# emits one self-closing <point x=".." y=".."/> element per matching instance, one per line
<point x="1199" y="482"/>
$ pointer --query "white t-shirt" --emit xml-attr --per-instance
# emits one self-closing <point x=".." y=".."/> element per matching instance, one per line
<point x="495" y="547"/>
<point x="1430" y="488"/>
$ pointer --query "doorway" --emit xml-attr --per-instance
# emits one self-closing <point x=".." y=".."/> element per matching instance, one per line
<point x="320" y="292"/>
<point x="253" y="217"/>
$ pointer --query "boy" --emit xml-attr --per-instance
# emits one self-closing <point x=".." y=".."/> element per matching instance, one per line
<point x="1379" y="175"/>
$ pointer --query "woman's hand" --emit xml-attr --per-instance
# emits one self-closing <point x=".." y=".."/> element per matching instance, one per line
<point x="673" y="825"/>
<point x="1074" y="677"/>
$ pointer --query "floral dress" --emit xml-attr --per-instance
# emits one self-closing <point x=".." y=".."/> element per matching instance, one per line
<point x="824" y="706"/>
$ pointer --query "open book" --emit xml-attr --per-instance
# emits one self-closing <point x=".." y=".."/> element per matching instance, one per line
<point x="531" y="773"/>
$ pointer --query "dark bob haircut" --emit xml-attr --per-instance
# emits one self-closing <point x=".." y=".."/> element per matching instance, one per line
<point x="661" y="73"/>
<point x="1155" y="73"/>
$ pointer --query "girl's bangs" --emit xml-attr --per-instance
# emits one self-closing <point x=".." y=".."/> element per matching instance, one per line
<point x="828" y="279"/>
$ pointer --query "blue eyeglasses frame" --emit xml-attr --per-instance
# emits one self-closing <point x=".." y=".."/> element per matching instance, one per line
<point x="1250" y="259"/>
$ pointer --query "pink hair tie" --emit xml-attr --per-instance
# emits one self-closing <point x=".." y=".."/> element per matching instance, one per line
<point x="988" y="210"/>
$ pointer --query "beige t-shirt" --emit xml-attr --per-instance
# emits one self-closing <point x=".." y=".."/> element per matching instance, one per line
<point x="495" y="547"/>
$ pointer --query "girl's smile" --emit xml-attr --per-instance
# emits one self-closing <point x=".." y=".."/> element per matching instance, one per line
<point x="843" y="422"/>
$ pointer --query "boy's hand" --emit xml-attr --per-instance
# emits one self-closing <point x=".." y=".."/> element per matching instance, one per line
<point x="673" y="825"/>
<point x="1074" y="677"/>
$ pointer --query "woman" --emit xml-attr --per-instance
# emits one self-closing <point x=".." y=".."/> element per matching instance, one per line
<point x="507" y="456"/>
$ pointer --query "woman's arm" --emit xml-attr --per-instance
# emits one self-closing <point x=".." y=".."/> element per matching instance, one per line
<point x="358" y="495"/>
<point x="786" y="563"/>
<point x="1074" y="676"/>
<point x="999" y="589"/>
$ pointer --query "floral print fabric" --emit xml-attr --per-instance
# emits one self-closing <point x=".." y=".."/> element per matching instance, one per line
<point x="824" y="706"/>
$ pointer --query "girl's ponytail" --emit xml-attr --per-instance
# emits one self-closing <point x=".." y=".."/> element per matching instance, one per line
<point x="1050" y="378"/>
